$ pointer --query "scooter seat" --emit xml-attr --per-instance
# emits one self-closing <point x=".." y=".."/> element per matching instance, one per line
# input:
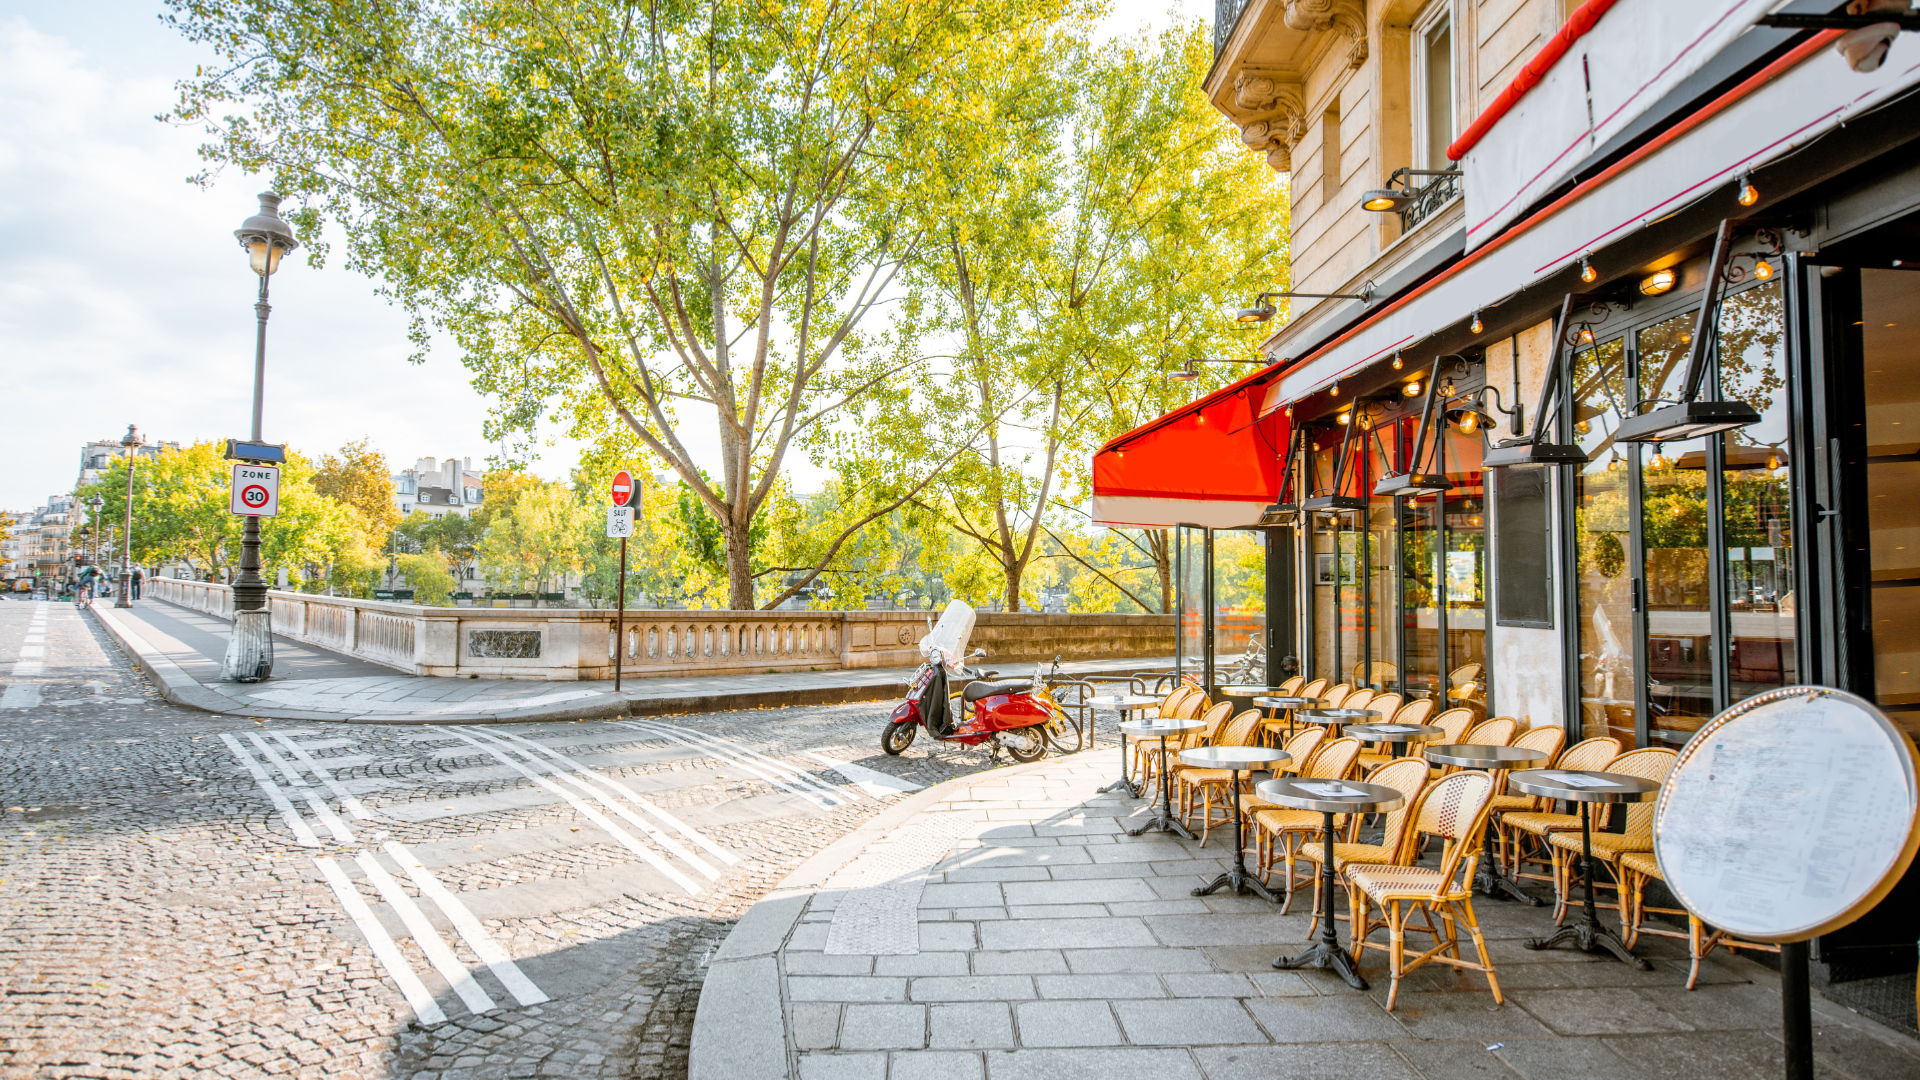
<point x="980" y="688"/>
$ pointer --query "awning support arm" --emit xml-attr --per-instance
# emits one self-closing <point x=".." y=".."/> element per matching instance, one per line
<point x="1709" y="319"/>
<point x="1426" y="415"/>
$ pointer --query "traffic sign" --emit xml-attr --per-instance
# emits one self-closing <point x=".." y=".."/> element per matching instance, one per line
<point x="255" y="491"/>
<point x="623" y="489"/>
<point x="619" y="522"/>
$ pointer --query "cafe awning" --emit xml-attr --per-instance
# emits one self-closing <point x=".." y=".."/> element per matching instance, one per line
<point x="1212" y="462"/>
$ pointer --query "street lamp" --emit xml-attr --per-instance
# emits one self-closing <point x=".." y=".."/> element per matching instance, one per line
<point x="131" y="440"/>
<point x="267" y="239"/>
<point x="94" y="528"/>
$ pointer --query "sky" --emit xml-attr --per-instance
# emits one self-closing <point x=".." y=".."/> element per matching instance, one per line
<point x="124" y="298"/>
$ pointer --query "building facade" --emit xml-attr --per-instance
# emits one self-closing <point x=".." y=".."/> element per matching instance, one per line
<point x="439" y="488"/>
<point x="1602" y="432"/>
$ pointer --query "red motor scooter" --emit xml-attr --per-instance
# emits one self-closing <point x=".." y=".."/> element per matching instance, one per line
<point x="1017" y="715"/>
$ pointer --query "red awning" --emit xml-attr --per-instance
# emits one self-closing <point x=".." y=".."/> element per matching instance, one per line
<point x="1212" y="462"/>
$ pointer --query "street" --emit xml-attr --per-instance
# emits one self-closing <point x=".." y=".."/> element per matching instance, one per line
<point x="188" y="894"/>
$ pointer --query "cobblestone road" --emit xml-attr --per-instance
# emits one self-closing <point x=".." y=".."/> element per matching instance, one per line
<point x="184" y="895"/>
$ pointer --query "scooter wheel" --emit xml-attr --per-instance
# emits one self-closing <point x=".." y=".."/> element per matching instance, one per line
<point x="1025" y="745"/>
<point x="897" y="737"/>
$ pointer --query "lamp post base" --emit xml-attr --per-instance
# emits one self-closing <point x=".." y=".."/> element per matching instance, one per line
<point x="250" y="649"/>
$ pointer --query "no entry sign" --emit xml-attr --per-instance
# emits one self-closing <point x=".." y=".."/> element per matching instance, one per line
<point x="622" y="489"/>
<point x="255" y="491"/>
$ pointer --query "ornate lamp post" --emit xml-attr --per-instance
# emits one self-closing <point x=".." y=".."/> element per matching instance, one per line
<point x="95" y="531"/>
<point x="250" y="651"/>
<point x="131" y="440"/>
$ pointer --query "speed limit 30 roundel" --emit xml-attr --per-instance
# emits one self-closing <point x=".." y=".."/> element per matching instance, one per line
<point x="622" y="488"/>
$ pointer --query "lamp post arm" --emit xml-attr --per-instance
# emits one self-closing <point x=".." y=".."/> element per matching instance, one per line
<point x="261" y="310"/>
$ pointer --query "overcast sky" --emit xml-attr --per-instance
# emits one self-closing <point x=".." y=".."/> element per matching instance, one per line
<point x="125" y="300"/>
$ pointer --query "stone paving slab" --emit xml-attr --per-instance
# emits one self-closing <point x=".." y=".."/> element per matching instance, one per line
<point x="1030" y="967"/>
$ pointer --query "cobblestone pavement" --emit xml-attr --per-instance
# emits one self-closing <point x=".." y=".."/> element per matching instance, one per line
<point x="183" y="894"/>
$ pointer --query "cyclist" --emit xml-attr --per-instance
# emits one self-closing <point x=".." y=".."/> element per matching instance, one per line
<point x="85" y="581"/>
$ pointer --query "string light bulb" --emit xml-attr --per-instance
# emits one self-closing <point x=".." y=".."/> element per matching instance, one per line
<point x="1762" y="269"/>
<point x="1748" y="193"/>
<point x="1412" y="389"/>
<point x="1659" y="460"/>
<point x="1397" y="362"/>
<point x="1581" y="427"/>
<point x="1773" y="462"/>
<point x="1477" y="324"/>
<point x="1335" y="392"/>
<point x="1345" y="418"/>
<point x="1587" y="273"/>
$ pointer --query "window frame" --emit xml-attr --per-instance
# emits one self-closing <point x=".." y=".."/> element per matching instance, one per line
<point x="1424" y="27"/>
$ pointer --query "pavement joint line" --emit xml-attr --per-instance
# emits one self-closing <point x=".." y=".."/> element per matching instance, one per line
<point x="424" y="935"/>
<point x="621" y="836"/>
<point x="424" y="1007"/>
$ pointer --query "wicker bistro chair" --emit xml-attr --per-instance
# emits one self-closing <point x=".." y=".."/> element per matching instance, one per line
<point x="1184" y="703"/>
<point x="1636" y="868"/>
<point x="1359" y="699"/>
<point x="1279" y="829"/>
<point x="1288" y="686"/>
<point x="1652" y="763"/>
<point x="1335" y="697"/>
<point x="1314" y="689"/>
<point x="1548" y="739"/>
<point x="1194" y="782"/>
<point x="1454" y="809"/>
<point x="1523" y="831"/>
<point x="1408" y="776"/>
<point x="1302" y="746"/>
<point x="1453" y="725"/>
<point x="1413" y="712"/>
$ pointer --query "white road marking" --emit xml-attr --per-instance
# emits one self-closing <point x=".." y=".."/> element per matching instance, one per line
<point x="872" y="781"/>
<point x="469" y="928"/>
<point x="20" y="695"/>
<point x="490" y="802"/>
<point x="292" y="817"/>
<point x="425" y="935"/>
<point x="320" y="808"/>
<point x="773" y="772"/>
<point x="411" y="988"/>
<point x="326" y="777"/>
<point x="620" y="835"/>
<point x="645" y="804"/>
<point x="33" y="652"/>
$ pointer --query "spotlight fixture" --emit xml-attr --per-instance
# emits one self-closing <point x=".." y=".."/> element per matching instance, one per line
<point x="1748" y="193"/>
<point x="1400" y="192"/>
<point x="1587" y="273"/>
<point x="1467" y="417"/>
<point x="1192" y="368"/>
<point x="1533" y="454"/>
<point x="1262" y="308"/>
<point x="1477" y="324"/>
<point x="1279" y="514"/>
<point x="1660" y="281"/>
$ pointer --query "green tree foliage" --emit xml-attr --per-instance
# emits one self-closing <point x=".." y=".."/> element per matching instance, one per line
<point x="535" y="541"/>
<point x="654" y="215"/>
<point x="358" y="477"/>
<point x="429" y="576"/>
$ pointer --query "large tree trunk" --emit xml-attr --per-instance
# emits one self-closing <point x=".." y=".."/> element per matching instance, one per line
<point x="1157" y="541"/>
<point x="739" y="568"/>
<point x="1015" y="570"/>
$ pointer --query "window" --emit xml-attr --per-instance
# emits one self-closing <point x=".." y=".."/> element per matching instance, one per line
<point x="424" y="497"/>
<point x="1433" y="89"/>
<point x="1330" y="154"/>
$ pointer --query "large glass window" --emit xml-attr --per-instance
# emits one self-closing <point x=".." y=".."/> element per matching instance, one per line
<point x="1239" y="600"/>
<point x="1190" y="555"/>
<point x="1603" y="541"/>
<point x="1420" y="595"/>
<point x="1464" y="572"/>
<point x="1383" y="637"/>
<point x="1433" y="84"/>
<point x="1890" y="333"/>
<point x="1759" y="525"/>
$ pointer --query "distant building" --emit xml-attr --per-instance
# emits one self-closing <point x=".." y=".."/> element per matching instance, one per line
<point x="96" y="457"/>
<point x="439" y="488"/>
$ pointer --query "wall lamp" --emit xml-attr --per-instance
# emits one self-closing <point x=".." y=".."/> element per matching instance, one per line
<point x="1472" y="414"/>
<point x="1399" y="192"/>
<point x="1192" y="369"/>
<point x="1262" y="308"/>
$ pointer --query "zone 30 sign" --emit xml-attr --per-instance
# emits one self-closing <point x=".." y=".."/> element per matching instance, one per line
<point x="255" y="491"/>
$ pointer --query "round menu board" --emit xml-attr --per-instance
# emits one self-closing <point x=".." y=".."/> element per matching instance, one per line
<point x="1789" y="815"/>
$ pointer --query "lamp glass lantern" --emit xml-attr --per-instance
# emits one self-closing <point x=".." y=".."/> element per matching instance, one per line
<point x="266" y="236"/>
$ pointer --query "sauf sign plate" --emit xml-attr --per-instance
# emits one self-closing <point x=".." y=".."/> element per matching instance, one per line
<point x="255" y="491"/>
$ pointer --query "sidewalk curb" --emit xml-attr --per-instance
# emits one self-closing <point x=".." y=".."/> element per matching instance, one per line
<point x="183" y="689"/>
<point x="762" y="699"/>
<point x="740" y="1029"/>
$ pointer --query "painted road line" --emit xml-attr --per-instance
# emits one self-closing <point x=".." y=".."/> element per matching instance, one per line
<point x="872" y="781"/>
<point x="672" y="822"/>
<point x="780" y="776"/>
<point x="292" y="817"/>
<point x="425" y="936"/>
<point x="624" y="838"/>
<point x="424" y="1007"/>
<point x="326" y="777"/>
<point x="468" y="927"/>
<point x="601" y="797"/>
<point x="798" y="775"/>
<point x="320" y="808"/>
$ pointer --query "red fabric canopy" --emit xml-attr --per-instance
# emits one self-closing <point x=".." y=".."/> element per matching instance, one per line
<point x="1212" y="462"/>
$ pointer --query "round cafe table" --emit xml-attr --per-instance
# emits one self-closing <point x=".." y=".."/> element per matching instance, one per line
<point x="1586" y="788"/>
<point x="1146" y="729"/>
<point x="1495" y="760"/>
<point x="1122" y="704"/>
<point x="1337" y="718"/>
<point x="1329" y="797"/>
<point x="1239" y="759"/>
<point x="1286" y="703"/>
<point x="1245" y="689"/>
<point x="1403" y="734"/>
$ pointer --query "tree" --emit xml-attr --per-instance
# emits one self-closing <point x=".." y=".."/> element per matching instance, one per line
<point x="649" y="214"/>
<point x="359" y="478"/>
<point x="428" y="576"/>
<point x="535" y="542"/>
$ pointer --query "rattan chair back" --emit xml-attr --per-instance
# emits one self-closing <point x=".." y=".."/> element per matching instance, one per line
<point x="1304" y="744"/>
<point x="1214" y="718"/>
<point x="1465" y="673"/>
<point x="1333" y="760"/>
<point x="1242" y="730"/>
<point x="1171" y="704"/>
<point x="1335" y="697"/>
<point x="1359" y="699"/>
<point x="1495" y="732"/>
<point x="1547" y="738"/>
<point x="1453" y="725"/>
<point x="1652" y="763"/>
<point x="1408" y="776"/>
<point x="1288" y="686"/>
<point x="1387" y="705"/>
<point x="1314" y="689"/>
<point x="1591" y="754"/>
<point x="1454" y="808"/>
<point x="1413" y="712"/>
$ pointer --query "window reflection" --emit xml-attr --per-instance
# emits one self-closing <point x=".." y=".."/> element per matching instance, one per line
<point x="1758" y="510"/>
<point x="1239" y="602"/>
<point x="1603" y="539"/>
<point x="1465" y="572"/>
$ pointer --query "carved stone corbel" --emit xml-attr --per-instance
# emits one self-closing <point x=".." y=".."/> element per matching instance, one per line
<point x="1280" y="117"/>
<point x="1316" y="16"/>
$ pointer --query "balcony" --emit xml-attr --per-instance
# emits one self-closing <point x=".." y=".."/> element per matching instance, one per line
<point x="1226" y="16"/>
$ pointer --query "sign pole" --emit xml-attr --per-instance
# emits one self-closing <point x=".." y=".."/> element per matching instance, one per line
<point x="620" y="619"/>
<point x="1796" y="1009"/>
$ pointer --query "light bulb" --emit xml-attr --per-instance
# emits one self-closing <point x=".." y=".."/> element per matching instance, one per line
<point x="1582" y="428"/>
<point x="1773" y="461"/>
<point x="1762" y="269"/>
<point x="1477" y="324"/>
<point x="1469" y="424"/>
<point x="1412" y="389"/>
<point x="1587" y="273"/>
<point x="1397" y="362"/>
<point x="1345" y="418"/>
<point x="1748" y="193"/>
<point x="1336" y="390"/>
<point x="1659" y="460"/>
<point x="1613" y="465"/>
<point x="1586" y="337"/>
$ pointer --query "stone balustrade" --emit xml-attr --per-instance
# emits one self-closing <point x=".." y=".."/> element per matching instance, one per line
<point x="573" y="643"/>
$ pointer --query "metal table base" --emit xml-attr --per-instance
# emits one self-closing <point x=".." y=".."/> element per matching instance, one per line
<point x="1326" y="953"/>
<point x="1237" y="877"/>
<point x="1163" y="818"/>
<point x="1587" y="934"/>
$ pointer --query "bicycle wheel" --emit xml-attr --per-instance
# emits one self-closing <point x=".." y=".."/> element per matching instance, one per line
<point x="1065" y="733"/>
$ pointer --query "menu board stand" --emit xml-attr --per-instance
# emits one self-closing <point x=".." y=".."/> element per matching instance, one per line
<point x="1789" y="816"/>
